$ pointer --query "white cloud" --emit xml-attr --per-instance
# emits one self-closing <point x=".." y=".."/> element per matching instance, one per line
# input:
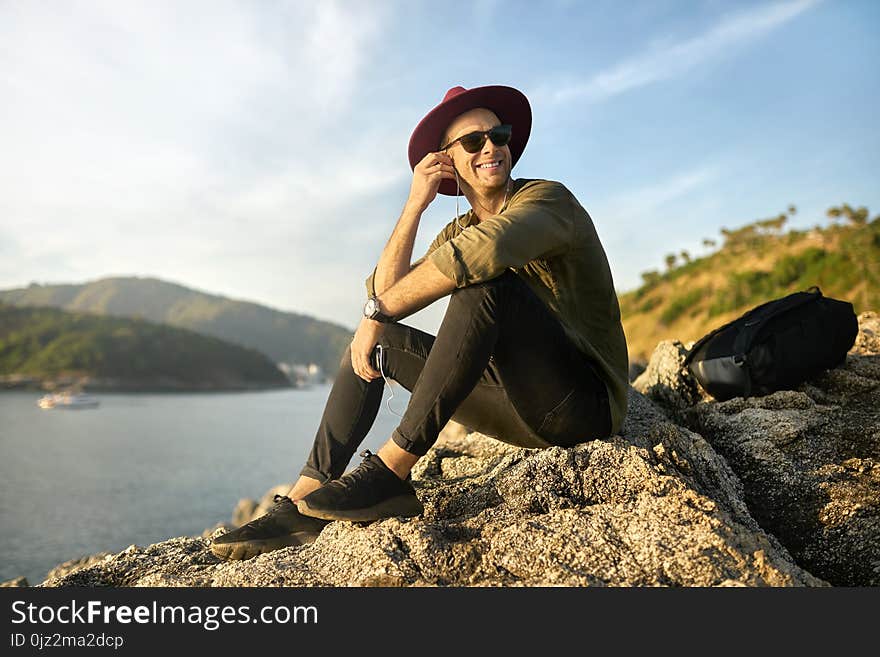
<point x="641" y="225"/>
<point x="258" y="149"/>
<point x="150" y="137"/>
<point x="333" y="52"/>
<point x="671" y="60"/>
<point x="631" y="208"/>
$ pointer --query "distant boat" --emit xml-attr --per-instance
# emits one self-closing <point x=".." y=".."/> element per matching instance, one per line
<point x="67" y="400"/>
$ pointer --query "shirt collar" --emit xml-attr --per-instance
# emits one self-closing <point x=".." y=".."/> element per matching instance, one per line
<point x="470" y="218"/>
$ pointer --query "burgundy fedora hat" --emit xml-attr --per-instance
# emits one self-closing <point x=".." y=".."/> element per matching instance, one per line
<point x="508" y="104"/>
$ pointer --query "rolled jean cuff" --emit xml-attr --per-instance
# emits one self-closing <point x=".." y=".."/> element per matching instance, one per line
<point x="309" y="471"/>
<point x="407" y="445"/>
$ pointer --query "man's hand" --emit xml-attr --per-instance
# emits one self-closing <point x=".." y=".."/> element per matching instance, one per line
<point x="365" y="338"/>
<point x="427" y="176"/>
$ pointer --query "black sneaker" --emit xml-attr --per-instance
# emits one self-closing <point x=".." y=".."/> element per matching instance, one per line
<point x="282" y="526"/>
<point x="369" y="492"/>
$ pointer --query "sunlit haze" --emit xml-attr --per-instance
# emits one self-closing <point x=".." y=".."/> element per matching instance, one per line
<point x="258" y="150"/>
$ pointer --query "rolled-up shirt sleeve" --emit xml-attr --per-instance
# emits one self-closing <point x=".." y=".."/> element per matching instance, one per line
<point x="371" y="283"/>
<point x="537" y="223"/>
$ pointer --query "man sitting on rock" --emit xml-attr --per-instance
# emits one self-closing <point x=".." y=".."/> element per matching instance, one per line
<point x="531" y="349"/>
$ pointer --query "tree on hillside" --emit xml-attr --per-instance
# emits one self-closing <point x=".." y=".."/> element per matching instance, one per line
<point x="773" y="225"/>
<point x="844" y="261"/>
<point x="753" y="235"/>
<point x="856" y="217"/>
<point x="650" y="277"/>
<point x="744" y="236"/>
<point x="685" y="257"/>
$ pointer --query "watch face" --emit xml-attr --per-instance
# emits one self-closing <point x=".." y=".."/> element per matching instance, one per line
<point x="370" y="307"/>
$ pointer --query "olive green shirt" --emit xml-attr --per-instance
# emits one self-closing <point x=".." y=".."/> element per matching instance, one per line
<point x="544" y="235"/>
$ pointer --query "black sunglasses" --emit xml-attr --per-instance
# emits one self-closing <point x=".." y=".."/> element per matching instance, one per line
<point x="473" y="141"/>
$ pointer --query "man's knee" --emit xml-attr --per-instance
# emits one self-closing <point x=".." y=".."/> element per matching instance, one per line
<point x="397" y="336"/>
<point x="394" y="335"/>
<point x="399" y="340"/>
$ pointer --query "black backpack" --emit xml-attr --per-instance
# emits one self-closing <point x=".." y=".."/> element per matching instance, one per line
<point x="775" y="346"/>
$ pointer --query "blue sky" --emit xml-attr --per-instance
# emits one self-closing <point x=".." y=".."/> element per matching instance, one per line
<point x="258" y="149"/>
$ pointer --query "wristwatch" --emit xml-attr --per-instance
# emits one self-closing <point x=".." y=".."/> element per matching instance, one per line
<point x="371" y="311"/>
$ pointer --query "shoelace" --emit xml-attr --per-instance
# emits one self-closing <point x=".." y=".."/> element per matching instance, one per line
<point x="266" y="518"/>
<point x="361" y="472"/>
<point x="349" y="478"/>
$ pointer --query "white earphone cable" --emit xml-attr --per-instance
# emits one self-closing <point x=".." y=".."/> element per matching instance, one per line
<point x="388" y="383"/>
<point x="457" y="192"/>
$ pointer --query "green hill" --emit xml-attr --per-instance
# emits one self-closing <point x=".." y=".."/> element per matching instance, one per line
<point x="284" y="337"/>
<point x="51" y="345"/>
<point x="754" y="264"/>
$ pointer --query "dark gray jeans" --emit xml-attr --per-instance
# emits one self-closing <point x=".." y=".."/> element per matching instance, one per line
<point x="501" y="364"/>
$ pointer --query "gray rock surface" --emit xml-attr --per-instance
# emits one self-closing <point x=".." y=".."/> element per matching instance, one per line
<point x="665" y="379"/>
<point x="17" y="583"/>
<point x="809" y="459"/>
<point x="658" y="508"/>
<point x="868" y="339"/>
<point x="755" y="492"/>
<point x="68" y="567"/>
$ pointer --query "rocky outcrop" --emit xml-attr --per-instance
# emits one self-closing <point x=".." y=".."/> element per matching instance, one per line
<point x="64" y="569"/>
<point x="809" y="459"/>
<point x="656" y="506"/>
<point x="18" y="582"/>
<point x="666" y="381"/>
<point x="771" y="491"/>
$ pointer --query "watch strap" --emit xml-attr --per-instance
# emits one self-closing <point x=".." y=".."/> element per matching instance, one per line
<point x="378" y="315"/>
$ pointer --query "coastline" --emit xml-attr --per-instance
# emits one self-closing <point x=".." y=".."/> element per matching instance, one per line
<point x="692" y="492"/>
<point x="23" y="383"/>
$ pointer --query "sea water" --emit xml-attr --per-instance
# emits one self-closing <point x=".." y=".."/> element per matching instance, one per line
<point x="142" y="468"/>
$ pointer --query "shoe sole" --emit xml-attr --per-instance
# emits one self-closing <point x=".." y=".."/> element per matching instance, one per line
<point x="242" y="550"/>
<point x="402" y="505"/>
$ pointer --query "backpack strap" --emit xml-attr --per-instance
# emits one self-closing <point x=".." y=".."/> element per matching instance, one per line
<point x="751" y="327"/>
<point x="699" y="343"/>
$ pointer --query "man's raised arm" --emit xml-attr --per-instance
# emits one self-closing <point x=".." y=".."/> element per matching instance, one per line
<point x="394" y="263"/>
<point x="416" y="290"/>
<point x="421" y="283"/>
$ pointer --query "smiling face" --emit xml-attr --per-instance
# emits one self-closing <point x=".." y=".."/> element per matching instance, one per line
<point x="486" y="171"/>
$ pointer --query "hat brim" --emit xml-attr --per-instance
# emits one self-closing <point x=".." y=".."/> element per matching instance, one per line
<point x="508" y="104"/>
